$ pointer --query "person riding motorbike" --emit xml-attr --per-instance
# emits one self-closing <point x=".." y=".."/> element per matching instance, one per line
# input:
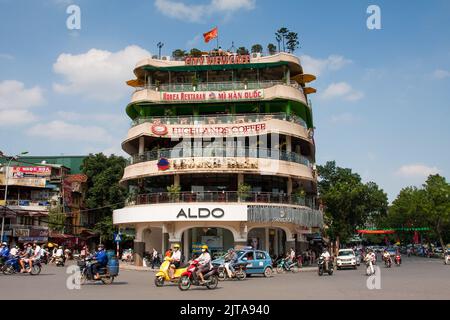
<point x="175" y="260"/>
<point x="326" y="255"/>
<point x="369" y="259"/>
<point x="4" y="253"/>
<point x="230" y="259"/>
<point x="204" y="261"/>
<point x="387" y="256"/>
<point x="14" y="251"/>
<point x="100" y="261"/>
<point x="25" y="257"/>
<point x="290" y="258"/>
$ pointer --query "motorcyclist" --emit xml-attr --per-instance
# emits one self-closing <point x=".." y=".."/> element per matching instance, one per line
<point x="4" y="253"/>
<point x="387" y="256"/>
<point x="326" y="255"/>
<point x="290" y="257"/>
<point x="100" y="261"/>
<point x="25" y="257"/>
<point x="230" y="259"/>
<point x="175" y="260"/>
<point x="204" y="261"/>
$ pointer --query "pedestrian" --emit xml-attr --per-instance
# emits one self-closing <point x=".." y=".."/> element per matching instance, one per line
<point x="155" y="258"/>
<point x="313" y="256"/>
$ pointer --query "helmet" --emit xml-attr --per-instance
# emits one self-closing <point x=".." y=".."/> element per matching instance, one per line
<point x="4" y="244"/>
<point x="101" y="246"/>
<point x="231" y="250"/>
<point x="176" y="246"/>
<point x="205" y="247"/>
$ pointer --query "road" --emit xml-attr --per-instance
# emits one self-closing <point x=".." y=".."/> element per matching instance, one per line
<point x="417" y="278"/>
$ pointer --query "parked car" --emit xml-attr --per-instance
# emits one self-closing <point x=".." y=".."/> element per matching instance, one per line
<point x="346" y="258"/>
<point x="257" y="261"/>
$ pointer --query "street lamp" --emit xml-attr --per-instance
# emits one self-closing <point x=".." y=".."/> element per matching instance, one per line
<point x="6" y="184"/>
<point x="160" y="45"/>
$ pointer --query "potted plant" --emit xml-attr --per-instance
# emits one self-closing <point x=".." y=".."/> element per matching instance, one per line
<point x="298" y="196"/>
<point x="194" y="82"/>
<point x="174" y="192"/>
<point x="244" y="191"/>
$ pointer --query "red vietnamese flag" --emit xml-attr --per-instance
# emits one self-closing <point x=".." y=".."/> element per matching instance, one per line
<point x="210" y="35"/>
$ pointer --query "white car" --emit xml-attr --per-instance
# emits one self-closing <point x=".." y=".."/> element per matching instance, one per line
<point x="346" y="258"/>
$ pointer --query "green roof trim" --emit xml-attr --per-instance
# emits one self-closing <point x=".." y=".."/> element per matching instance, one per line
<point x="219" y="67"/>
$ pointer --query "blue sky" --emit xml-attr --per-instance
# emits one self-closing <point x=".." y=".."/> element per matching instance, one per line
<point x="383" y="100"/>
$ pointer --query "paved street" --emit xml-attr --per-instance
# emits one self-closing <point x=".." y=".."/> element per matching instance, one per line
<point x="417" y="278"/>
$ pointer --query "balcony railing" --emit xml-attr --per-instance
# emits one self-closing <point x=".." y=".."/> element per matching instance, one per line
<point x="222" y="196"/>
<point x="221" y="119"/>
<point x="26" y="203"/>
<point x="218" y="86"/>
<point x="232" y="152"/>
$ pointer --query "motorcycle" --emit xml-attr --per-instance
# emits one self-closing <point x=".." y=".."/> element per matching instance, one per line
<point x="189" y="277"/>
<point x="284" y="265"/>
<point x="239" y="272"/>
<point x="398" y="260"/>
<point x="370" y="270"/>
<point x="60" y="261"/>
<point x="163" y="273"/>
<point x="107" y="274"/>
<point x="387" y="261"/>
<point x="12" y="266"/>
<point x="322" y="266"/>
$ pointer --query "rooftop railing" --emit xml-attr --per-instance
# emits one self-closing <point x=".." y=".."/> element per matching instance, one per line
<point x="222" y="196"/>
<point x="221" y="119"/>
<point x="260" y="153"/>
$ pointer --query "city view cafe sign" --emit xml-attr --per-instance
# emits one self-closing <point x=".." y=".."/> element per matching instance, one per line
<point x="218" y="59"/>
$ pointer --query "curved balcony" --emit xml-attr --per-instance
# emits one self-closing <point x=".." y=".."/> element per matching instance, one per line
<point x="221" y="119"/>
<point x="224" y="197"/>
<point x="257" y="153"/>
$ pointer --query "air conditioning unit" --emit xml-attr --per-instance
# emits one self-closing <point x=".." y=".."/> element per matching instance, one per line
<point x="256" y="55"/>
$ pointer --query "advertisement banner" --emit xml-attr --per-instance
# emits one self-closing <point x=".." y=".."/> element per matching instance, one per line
<point x="21" y="232"/>
<point x="210" y="96"/>
<point x="31" y="239"/>
<point x="22" y="172"/>
<point x="28" y="182"/>
<point x="213" y="242"/>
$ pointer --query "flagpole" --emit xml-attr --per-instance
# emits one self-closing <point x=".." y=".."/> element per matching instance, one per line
<point x="217" y="38"/>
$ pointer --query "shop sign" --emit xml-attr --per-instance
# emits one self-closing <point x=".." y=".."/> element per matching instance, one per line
<point x="159" y="129"/>
<point x="21" y="232"/>
<point x="28" y="182"/>
<point x="201" y="213"/>
<point x="31" y="239"/>
<point x="256" y="128"/>
<point x="21" y="172"/>
<point x="217" y="60"/>
<point x="208" y="96"/>
<point x="215" y="163"/>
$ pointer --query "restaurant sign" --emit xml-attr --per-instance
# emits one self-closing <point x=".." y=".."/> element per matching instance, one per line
<point x="210" y="96"/>
<point x="217" y="60"/>
<point x="22" y="172"/>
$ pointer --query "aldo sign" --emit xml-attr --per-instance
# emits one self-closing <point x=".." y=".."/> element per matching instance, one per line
<point x="180" y="212"/>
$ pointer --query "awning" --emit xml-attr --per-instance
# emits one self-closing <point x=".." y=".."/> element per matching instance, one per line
<point x="135" y="83"/>
<point x="304" y="78"/>
<point x="309" y="90"/>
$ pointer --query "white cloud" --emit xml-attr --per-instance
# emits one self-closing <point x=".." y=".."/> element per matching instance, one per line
<point x="6" y="56"/>
<point x="344" y="118"/>
<point x="441" y="74"/>
<point x="60" y="130"/>
<point x="191" y="43"/>
<point x="416" y="170"/>
<point x="98" y="117"/>
<point x="198" y="13"/>
<point x="341" y="90"/>
<point x="317" y="66"/>
<point x="11" y="118"/>
<point x="14" y="95"/>
<point x="98" y="74"/>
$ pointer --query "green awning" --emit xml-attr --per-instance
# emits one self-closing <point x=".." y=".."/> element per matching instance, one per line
<point x="190" y="68"/>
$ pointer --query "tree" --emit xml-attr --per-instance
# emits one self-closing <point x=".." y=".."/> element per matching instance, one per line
<point x="179" y="54"/>
<point x="280" y="36"/>
<point x="437" y="205"/>
<point x="56" y="219"/>
<point x="195" y="52"/>
<point x="271" y="48"/>
<point x="348" y="202"/>
<point x="257" y="48"/>
<point x="242" y="51"/>
<point x="292" y="41"/>
<point x="104" y="193"/>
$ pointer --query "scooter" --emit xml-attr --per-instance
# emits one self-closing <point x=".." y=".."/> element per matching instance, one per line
<point x="239" y="272"/>
<point x="163" y="273"/>
<point x="322" y="266"/>
<point x="189" y="277"/>
<point x="283" y="266"/>
<point x="447" y="258"/>
<point x="60" y="261"/>
<point x="370" y="270"/>
<point x="398" y="260"/>
<point x="12" y="266"/>
<point x="107" y="274"/>
<point x="387" y="261"/>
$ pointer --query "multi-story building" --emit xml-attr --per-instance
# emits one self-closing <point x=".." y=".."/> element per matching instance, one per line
<point x="222" y="153"/>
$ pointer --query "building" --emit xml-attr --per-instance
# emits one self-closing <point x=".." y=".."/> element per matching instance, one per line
<point x="34" y="188"/>
<point x="222" y="153"/>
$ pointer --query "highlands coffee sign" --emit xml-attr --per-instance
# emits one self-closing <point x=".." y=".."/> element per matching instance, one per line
<point x="181" y="212"/>
<point x="210" y="96"/>
<point x="217" y="60"/>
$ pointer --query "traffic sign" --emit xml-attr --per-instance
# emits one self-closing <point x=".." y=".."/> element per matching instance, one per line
<point x="117" y="237"/>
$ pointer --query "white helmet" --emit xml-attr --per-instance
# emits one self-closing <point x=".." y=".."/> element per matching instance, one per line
<point x="4" y="244"/>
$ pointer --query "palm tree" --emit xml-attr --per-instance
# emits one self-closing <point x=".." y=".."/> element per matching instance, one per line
<point x="179" y="54"/>
<point x="281" y="36"/>
<point x="257" y="48"/>
<point x="195" y="52"/>
<point x="242" y="51"/>
<point x="271" y="48"/>
<point x="292" y="41"/>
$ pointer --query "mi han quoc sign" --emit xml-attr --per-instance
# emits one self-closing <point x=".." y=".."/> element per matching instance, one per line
<point x="209" y="96"/>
